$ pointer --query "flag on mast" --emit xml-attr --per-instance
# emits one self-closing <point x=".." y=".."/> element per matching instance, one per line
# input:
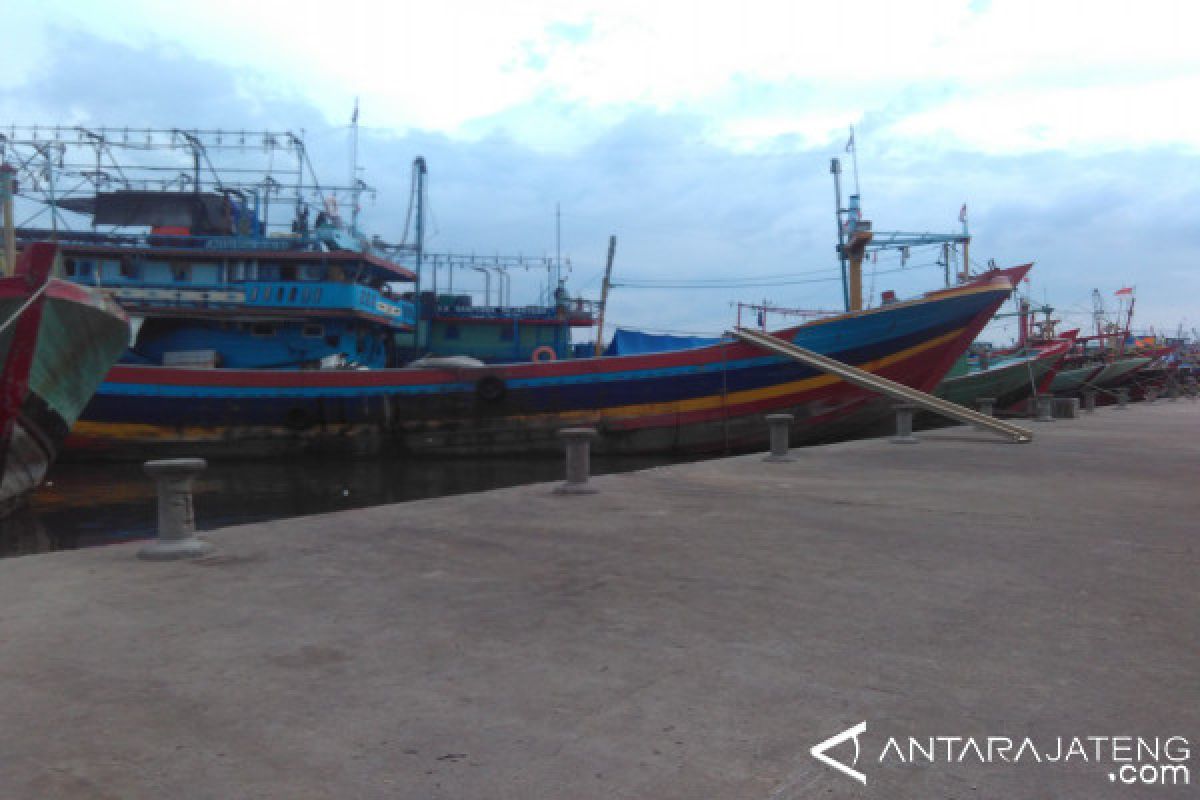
<point x="354" y="116"/>
<point x="962" y="213"/>
<point x="850" y="141"/>
<point x="1126" y="290"/>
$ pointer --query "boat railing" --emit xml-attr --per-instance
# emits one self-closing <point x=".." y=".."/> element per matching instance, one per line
<point x="273" y="243"/>
<point x="325" y="296"/>
<point x="568" y="311"/>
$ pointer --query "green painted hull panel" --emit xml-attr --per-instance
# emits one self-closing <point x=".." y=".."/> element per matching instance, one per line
<point x="1069" y="380"/>
<point x="77" y="344"/>
<point x="78" y="339"/>
<point x="1007" y="383"/>
<point x="1118" y="370"/>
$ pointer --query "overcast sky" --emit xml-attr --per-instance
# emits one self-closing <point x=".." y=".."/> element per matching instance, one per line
<point x="699" y="133"/>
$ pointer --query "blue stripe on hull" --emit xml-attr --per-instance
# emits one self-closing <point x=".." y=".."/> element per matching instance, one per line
<point x="234" y="406"/>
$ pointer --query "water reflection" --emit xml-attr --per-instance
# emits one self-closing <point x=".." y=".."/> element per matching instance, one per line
<point x="84" y="505"/>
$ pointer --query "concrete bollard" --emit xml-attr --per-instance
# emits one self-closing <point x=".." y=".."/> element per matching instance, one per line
<point x="1045" y="408"/>
<point x="780" y="426"/>
<point x="1122" y="399"/>
<point x="1173" y="391"/>
<point x="579" y="460"/>
<point x="1089" y="400"/>
<point x="1066" y="407"/>
<point x="987" y="407"/>
<point x="904" y="424"/>
<point x="176" y="518"/>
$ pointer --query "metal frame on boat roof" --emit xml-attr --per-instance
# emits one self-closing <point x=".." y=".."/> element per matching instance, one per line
<point x="58" y="162"/>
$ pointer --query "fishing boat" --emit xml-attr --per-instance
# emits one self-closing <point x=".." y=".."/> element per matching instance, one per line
<point x="212" y="274"/>
<point x="252" y="340"/>
<point x="57" y="341"/>
<point x="705" y="399"/>
<point x="1006" y="378"/>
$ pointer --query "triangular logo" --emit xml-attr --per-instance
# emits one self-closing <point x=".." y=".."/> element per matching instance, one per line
<point x="818" y="751"/>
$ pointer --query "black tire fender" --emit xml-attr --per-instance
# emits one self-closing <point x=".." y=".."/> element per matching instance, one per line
<point x="491" y="388"/>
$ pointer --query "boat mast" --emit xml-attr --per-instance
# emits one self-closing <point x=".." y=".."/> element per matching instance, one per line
<point x="419" y="171"/>
<point x="557" y="254"/>
<point x="835" y="169"/>
<point x="612" y="248"/>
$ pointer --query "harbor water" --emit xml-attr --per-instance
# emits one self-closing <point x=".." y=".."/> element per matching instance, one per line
<point x="88" y="504"/>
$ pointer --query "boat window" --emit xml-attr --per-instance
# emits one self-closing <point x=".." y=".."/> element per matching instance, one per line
<point x="317" y="296"/>
<point x="287" y="272"/>
<point x="314" y="331"/>
<point x="69" y="267"/>
<point x="279" y="295"/>
<point x="451" y="331"/>
<point x="292" y="295"/>
<point x="506" y="334"/>
<point x="179" y="272"/>
<point x="312" y="272"/>
<point x="130" y="270"/>
<point x="263" y="329"/>
<point x="253" y="294"/>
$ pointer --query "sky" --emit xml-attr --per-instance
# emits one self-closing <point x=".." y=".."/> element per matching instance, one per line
<point x="698" y="133"/>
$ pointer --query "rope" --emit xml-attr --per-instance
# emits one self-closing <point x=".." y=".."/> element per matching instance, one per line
<point x="17" y="314"/>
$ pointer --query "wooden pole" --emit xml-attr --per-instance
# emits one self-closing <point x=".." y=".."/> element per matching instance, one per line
<point x="612" y="249"/>
<point x="856" y="298"/>
<point x="7" y="175"/>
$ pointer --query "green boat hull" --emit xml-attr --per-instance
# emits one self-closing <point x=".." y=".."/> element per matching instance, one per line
<point x="1005" y="383"/>
<point x="56" y="348"/>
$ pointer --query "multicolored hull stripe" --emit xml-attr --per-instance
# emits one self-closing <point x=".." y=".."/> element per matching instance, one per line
<point x="706" y="399"/>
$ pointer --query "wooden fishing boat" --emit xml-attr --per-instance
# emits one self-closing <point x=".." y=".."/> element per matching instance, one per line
<point x="706" y="399"/>
<point x="1007" y="379"/>
<point x="57" y="342"/>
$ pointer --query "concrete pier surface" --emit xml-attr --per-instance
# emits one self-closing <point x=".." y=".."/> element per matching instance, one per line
<point x="686" y="632"/>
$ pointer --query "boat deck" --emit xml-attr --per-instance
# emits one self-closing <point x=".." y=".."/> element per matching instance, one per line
<point x="687" y="632"/>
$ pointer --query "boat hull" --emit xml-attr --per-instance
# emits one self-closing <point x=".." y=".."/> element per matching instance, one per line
<point x="1006" y="383"/>
<point x="708" y="399"/>
<point x="1069" y="381"/>
<point x="58" y="342"/>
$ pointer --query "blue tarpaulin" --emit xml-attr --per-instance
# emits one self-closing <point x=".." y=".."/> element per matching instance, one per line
<point x="628" y="342"/>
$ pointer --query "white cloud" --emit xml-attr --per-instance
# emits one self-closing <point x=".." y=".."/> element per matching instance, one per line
<point x="1020" y="74"/>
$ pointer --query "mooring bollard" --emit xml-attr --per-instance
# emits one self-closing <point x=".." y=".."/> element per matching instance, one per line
<point x="1065" y="407"/>
<point x="1173" y="391"/>
<point x="579" y="460"/>
<point x="1045" y="408"/>
<point x="904" y="421"/>
<point x="1089" y="400"/>
<point x="780" y="426"/>
<point x="987" y="407"/>
<point x="1122" y="399"/>
<point x="176" y="518"/>
<point x="1151" y="394"/>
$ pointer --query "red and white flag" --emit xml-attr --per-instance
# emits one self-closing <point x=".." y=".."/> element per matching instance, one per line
<point x="962" y="213"/>
<point x="1126" y="290"/>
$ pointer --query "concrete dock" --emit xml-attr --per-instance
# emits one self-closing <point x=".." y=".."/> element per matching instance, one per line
<point x="687" y="632"/>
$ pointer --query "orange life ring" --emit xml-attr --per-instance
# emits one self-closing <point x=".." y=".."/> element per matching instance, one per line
<point x="544" y="353"/>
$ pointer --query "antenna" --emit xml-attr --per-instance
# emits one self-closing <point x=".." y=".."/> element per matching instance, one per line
<point x="355" y="191"/>
<point x="852" y="149"/>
